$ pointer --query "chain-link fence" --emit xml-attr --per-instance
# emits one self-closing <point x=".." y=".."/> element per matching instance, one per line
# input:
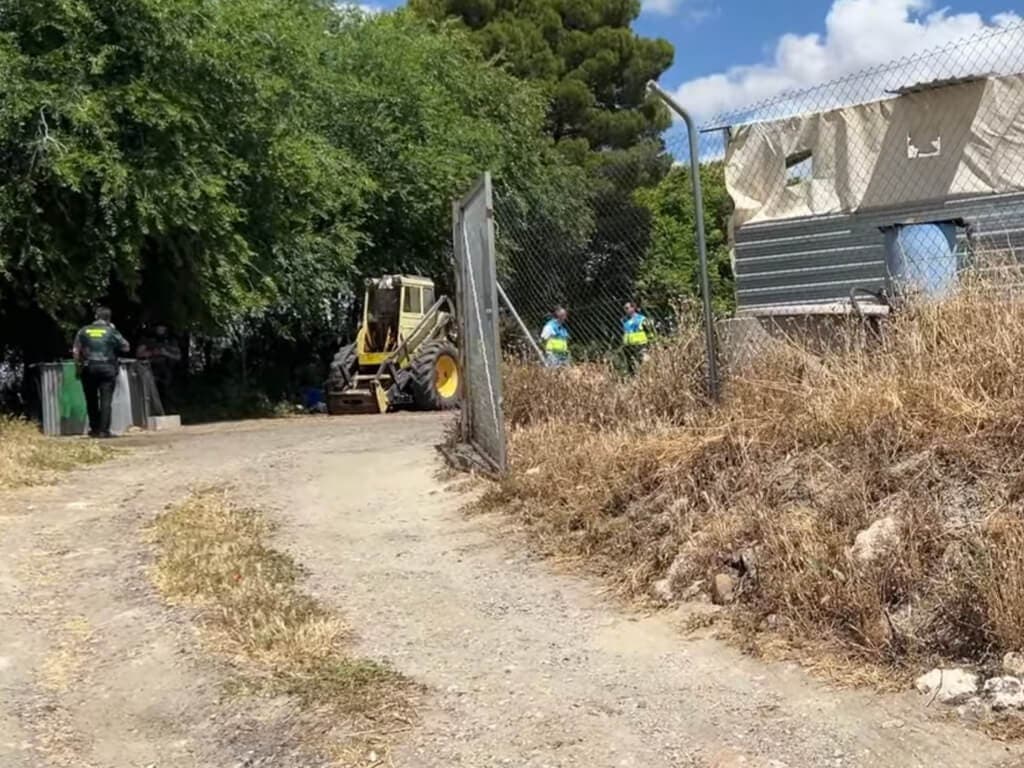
<point x="900" y="182"/>
<point x="838" y="200"/>
<point x="481" y="421"/>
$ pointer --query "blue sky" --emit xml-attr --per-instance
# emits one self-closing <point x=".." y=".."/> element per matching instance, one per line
<point x="733" y="53"/>
<point x="716" y="35"/>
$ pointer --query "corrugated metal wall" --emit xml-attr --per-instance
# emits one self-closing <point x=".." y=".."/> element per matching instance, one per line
<point x="51" y="381"/>
<point x="820" y="259"/>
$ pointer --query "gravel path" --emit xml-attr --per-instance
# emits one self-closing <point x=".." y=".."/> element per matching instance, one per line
<point x="524" y="666"/>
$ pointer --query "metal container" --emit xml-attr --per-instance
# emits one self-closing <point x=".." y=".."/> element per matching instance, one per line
<point x="922" y="258"/>
<point x="60" y="394"/>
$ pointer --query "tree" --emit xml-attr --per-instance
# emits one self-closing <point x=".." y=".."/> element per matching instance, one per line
<point x="593" y="69"/>
<point x="591" y="64"/>
<point x="236" y="167"/>
<point x="165" y="153"/>
<point x="426" y="114"/>
<point x="670" y="270"/>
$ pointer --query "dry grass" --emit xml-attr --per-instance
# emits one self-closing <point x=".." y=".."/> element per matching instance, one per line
<point x="29" y="458"/>
<point x="215" y="556"/>
<point x="640" y="479"/>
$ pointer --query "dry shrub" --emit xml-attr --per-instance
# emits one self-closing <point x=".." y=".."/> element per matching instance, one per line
<point x="642" y="479"/>
<point x="665" y="391"/>
<point x="29" y="458"/>
<point x="214" y="555"/>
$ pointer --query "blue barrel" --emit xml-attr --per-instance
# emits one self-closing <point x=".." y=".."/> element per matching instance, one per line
<point x="922" y="258"/>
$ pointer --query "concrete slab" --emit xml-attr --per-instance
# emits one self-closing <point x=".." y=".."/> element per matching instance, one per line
<point x="163" y="423"/>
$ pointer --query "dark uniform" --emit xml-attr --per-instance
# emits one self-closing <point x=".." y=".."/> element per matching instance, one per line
<point x="97" y="347"/>
<point x="164" y="355"/>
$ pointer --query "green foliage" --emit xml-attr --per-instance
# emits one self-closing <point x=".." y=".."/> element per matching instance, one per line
<point x="670" y="271"/>
<point x="593" y="66"/>
<point x="426" y="114"/>
<point x="169" y="151"/>
<point x="235" y="168"/>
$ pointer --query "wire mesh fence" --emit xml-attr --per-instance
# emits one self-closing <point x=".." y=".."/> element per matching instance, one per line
<point x="481" y="422"/>
<point x="846" y="199"/>
<point x="899" y="183"/>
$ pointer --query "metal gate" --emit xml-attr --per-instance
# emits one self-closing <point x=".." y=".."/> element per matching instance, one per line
<point x="482" y="423"/>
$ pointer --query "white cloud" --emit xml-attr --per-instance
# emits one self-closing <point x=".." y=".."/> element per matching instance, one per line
<point x="661" y="7"/>
<point x="694" y="11"/>
<point x="859" y="35"/>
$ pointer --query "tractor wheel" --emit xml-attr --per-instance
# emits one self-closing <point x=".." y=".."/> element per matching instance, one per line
<point x="343" y="368"/>
<point x="436" y="379"/>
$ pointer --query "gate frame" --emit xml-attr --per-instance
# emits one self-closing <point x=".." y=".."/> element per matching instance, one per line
<point x="465" y="289"/>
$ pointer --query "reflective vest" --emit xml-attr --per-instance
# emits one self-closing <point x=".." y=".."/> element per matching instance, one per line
<point x="633" y="331"/>
<point x="557" y="338"/>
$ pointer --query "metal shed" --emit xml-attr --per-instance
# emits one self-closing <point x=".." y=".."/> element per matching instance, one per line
<point x="815" y="194"/>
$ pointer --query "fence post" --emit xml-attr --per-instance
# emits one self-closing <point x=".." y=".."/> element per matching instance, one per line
<point x="714" y="386"/>
<point x="519" y="321"/>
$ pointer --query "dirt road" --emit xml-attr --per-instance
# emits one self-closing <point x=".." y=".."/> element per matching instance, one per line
<point x="523" y="666"/>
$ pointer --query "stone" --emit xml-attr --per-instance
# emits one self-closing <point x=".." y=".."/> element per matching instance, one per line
<point x="662" y="591"/>
<point x="1013" y="664"/>
<point x="974" y="710"/>
<point x="881" y="538"/>
<point x="723" y="589"/>
<point x="667" y="589"/>
<point x="948" y="686"/>
<point x="1005" y="693"/>
<point x="163" y="423"/>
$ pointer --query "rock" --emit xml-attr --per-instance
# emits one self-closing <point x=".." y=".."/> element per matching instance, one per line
<point x="662" y="590"/>
<point x="667" y="588"/>
<point x="1013" y="664"/>
<point x="876" y="541"/>
<point x="1005" y="693"/>
<point x="974" y="710"/>
<point x="949" y="686"/>
<point x="723" y="589"/>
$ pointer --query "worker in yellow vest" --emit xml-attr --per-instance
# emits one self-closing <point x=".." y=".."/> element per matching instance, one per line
<point x="555" y="338"/>
<point x="636" y="337"/>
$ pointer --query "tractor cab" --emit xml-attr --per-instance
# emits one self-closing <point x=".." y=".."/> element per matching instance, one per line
<point x="393" y="308"/>
<point x="404" y="353"/>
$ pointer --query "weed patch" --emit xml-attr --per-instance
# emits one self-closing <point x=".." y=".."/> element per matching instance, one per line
<point x="214" y="555"/>
<point x="29" y="458"/>
<point x="644" y="482"/>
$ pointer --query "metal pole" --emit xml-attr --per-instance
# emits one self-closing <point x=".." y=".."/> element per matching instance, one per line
<point x="519" y="321"/>
<point x="702" y="248"/>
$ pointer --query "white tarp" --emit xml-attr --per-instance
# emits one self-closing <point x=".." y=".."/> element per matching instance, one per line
<point x="121" y="405"/>
<point x="932" y="144"/>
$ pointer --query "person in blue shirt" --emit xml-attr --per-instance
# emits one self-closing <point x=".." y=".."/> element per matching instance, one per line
<point x="555" y="339"/>
<point x="636" y="337"/>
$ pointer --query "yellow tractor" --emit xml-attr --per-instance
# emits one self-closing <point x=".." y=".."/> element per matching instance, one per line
<point x="404" y="354"/>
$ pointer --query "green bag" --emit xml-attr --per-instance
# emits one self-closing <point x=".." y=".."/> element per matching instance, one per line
<point x="72" y="396"/>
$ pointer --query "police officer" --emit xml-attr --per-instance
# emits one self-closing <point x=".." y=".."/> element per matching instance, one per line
<point x="636" y="336"/>
<point x="164" y="354"/>
<point x="555" y="338"/>
<point x="96" y="350"/>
